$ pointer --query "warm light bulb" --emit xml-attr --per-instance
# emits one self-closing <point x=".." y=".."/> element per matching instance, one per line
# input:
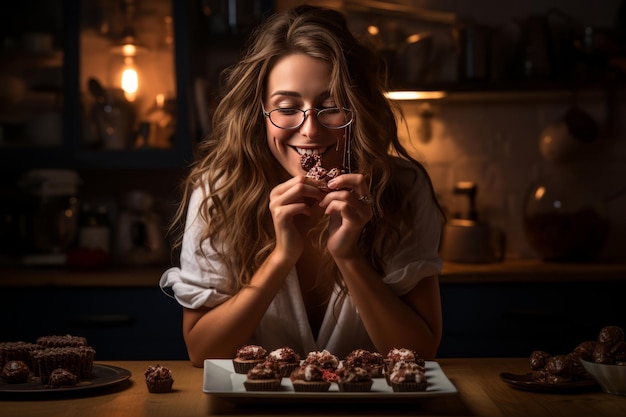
<point x="130" y="79"/>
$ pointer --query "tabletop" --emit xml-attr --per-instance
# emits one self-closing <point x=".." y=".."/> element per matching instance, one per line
<point x="481" y="392"/>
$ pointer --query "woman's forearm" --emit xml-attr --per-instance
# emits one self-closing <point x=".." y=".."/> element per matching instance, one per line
<point x="412" y="321"/>
<point x="220" y="331"/>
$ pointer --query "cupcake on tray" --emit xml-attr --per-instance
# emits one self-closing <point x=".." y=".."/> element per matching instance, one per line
<point x="67" y="340"/>
<point x="373" y="362"/>
<point x="322" y="358"/>
<point x="264" y="376"/>
<point x="159" y="379"/>
<point x="75" y="359"/>
<point x="248" y="356"/>
<point x="407" y="377"/>
<point x="400" y="354"/>
<point x="354" y="379"/>
<point x="286" y="359"/>
<point x="308" y="378"/>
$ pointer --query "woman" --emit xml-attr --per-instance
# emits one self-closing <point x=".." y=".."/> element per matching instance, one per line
<point x="268" y="256"/>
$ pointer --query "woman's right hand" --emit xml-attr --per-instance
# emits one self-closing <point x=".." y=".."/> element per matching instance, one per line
<point x="291" y="206"/>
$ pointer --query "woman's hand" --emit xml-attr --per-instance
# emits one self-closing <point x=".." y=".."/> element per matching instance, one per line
<point x="291" y="206"/>
<point x="349" y="207"/>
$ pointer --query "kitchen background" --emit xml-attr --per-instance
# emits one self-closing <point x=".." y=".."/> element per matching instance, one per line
<point x="526" y="150"/>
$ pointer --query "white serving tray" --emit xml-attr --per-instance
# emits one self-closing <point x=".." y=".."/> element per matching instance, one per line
<point x="221" y="380"/>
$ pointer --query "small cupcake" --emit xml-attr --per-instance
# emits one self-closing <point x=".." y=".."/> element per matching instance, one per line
<point x="15" y="372"/>
<point x="248" y="356"/>
<point x="322" y="358"/>
<point x="264" y="376"/>
<point x="159" y="379"/>
<point x="373" y="362"/>
<point x="62" y="378"/>
<point x="18" y="351"/>
<point x="354" y="379"/>
<point x="286" y="360"/>
<point x="309" y="378"/>
<point x="67" y="340"/>
<point x="400" y="354"/>
<point x="407" y="377"/>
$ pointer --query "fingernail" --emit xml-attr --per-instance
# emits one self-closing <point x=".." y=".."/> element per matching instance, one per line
<point x="331" y="183"/>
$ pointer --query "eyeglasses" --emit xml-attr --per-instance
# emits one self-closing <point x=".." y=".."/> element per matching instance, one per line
<point x="331" y="117"/>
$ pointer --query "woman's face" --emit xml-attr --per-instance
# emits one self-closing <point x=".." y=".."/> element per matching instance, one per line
<point x="301" y="82"/>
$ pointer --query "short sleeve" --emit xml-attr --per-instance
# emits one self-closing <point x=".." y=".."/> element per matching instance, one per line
<point x="202" y="278"/>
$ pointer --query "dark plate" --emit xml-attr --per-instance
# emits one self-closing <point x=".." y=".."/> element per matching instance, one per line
<point x="103" y="376"/>
<point x="526" y="383"/>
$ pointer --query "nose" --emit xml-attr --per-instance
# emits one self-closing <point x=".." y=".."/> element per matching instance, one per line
<point x="311" y="126"/>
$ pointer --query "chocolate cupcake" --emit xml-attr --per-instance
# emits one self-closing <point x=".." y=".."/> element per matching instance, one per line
<point x="322" y="358"/>
<point x="67" y="340"/>
<point x="286" y="359"/>
<point x="264" y="376"/>
<point x="407" y="377"/>
<point x="159" y="379"/>
<point x="18" y="351"/>
<point x="77" y="360"/>
<point x="248" y="356"/>
<point x="373" y="362"/>
<point x="308" y="378"/>
<point x="354" y="379"/>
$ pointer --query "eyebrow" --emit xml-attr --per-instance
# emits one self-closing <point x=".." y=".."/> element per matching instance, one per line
<point x="323" y="94"/>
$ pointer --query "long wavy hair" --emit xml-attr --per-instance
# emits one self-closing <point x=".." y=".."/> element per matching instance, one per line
<point x="237" y="171"/>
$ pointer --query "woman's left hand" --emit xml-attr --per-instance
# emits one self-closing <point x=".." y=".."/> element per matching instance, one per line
<point x="349" y="206"/>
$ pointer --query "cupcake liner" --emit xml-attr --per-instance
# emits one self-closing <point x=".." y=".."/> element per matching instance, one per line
<point x="363" y="386"/>
<point x="160" y="386"/>
<point x="262" y="385"/>
<point x="409" y="386"/>
<point x="310" y="386"/>
<point x="285" y="369"/>
<point x="242" y="367"/>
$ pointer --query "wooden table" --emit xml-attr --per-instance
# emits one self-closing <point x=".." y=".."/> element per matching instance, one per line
<point x="481" y="393"/>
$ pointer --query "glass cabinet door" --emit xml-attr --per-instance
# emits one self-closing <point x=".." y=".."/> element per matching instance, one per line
<point x="127" y="77"/>
<point x="31" y="75"/>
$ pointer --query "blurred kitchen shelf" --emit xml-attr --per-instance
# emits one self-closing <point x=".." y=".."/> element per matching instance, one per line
<point x="145" y="276"/>
<point x="511" y="271"/>
<point x="519" y="91"/>
<point x="529" y="270"/>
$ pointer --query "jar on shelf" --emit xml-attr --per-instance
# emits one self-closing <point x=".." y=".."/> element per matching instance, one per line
<point x="565" y="220"/>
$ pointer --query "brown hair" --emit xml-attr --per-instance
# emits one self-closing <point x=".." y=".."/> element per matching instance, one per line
<point x="237" y="170"/>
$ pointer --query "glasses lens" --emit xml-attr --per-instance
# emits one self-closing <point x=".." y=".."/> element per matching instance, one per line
<point x="334" y="117"/>
<point x="287" y="118"/>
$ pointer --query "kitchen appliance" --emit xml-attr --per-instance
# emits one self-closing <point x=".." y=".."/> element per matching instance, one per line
<point x="49" y="222"/>
<point x="466" y="239"/>
<point x="140" y="234"/>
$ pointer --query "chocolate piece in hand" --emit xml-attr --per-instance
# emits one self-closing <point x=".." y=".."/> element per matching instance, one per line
<point x="308" y="161"/>
<point x="313" y="165"/>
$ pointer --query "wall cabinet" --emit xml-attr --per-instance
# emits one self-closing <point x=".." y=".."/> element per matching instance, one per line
<point x="136" y="323"/>
<point x="512" y="320"/>
<point x="47" y="112"/>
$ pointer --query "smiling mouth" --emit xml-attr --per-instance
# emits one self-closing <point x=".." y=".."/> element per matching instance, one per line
<point x="308" y="151"/>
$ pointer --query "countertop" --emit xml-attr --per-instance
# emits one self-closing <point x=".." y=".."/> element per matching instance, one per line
<point x="503" y="272"/>
<point x="481" y="392"/>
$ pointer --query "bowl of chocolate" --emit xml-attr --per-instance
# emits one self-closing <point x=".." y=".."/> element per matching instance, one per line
<point x="607" y="362"/>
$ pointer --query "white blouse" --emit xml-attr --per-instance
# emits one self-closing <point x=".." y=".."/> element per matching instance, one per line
<point x="202" y="281"/>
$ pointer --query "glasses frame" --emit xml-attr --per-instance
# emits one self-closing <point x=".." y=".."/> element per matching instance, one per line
<point x="304" y="116"/>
